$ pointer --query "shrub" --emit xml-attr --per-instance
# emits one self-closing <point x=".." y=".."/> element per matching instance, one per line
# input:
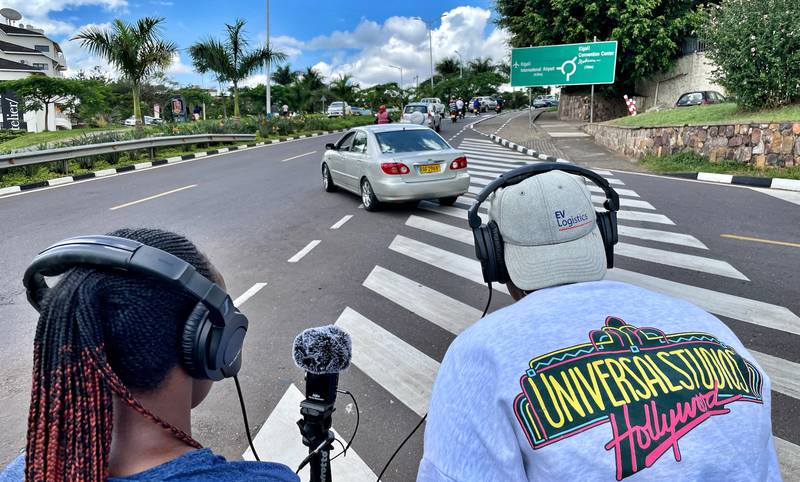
<point x="8" y="134"/>
<point x="756" y="46"/>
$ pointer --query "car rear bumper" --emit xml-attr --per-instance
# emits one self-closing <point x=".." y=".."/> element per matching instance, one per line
<point x="392" y="191"/>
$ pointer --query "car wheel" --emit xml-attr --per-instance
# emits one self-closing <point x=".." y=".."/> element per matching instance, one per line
<point x="368" y="198"/>
<point x="327" y="180"/>
<point x="447" y="201"/>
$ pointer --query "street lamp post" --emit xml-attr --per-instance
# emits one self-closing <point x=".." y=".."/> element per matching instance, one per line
<point x="429" y="26"/>
<point x="267" y="69"/>
<point x="401" y="74"/>
<point x="460" y="65"/>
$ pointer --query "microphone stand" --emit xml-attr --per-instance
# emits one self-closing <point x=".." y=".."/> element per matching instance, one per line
<point x="315" y="427"/>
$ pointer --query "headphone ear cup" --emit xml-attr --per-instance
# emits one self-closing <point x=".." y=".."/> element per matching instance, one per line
<point x="608" y="232"/>
<point x="497" y="253"/>
<point x="483" y="251"/>
<point x="193" y="356"/>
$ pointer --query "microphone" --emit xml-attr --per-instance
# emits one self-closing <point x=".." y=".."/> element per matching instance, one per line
<point x="322" y="352"/>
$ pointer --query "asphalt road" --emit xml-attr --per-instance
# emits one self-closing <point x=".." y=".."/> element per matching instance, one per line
<point x="252" y="213"/>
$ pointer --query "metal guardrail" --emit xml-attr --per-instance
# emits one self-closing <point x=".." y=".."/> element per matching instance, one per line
<point x="66" y="153"/>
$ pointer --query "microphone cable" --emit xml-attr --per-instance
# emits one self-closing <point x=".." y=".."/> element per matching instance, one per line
<point x="355" y="430"/>
<point x="244" y="417"/>
<point x="385" y="467"/>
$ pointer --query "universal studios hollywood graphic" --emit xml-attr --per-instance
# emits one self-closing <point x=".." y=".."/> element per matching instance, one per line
<point x="650" y="387"/>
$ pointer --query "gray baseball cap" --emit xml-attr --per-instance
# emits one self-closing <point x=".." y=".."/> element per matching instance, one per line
<point x="549" y="229"/>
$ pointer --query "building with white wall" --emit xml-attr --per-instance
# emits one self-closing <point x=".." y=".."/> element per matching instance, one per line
<point x="24" y="51"/>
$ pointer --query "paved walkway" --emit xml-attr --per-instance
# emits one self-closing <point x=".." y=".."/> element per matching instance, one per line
<point x="562" y="139"/>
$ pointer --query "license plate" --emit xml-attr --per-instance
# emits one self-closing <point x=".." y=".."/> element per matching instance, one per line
<point x="429" y="169"/>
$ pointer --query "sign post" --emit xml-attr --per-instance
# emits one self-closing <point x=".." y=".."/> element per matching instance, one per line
<point x="569" y="64"/>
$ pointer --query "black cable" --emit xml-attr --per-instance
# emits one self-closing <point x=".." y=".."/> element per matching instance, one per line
<point x="399" y="447"/>
<point x="355" y="430"/>
<point x="489" y="301"/>
<point x="244" y="417"/>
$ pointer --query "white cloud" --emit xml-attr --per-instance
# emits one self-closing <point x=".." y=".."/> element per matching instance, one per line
<point x="288" y="45"/>
<point x="178" y="67"/>
<point x="367" y="51"/>
<point x="37" y="12"/>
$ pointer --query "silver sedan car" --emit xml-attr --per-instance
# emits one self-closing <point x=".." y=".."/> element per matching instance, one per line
<point x="395" y="163"/>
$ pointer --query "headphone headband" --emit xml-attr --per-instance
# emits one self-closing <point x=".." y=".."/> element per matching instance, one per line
<point x="521" y="173"/>
<point x="127" y="255"/>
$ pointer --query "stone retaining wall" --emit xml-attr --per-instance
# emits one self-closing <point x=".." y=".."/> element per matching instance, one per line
<point x="575" y="107"/>
<point x="775" y="144"/>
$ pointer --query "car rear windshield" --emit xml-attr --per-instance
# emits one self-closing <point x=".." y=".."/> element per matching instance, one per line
<point x="336" y="104"/>
<point x="410" y="109"/>
<point x="410" y="141"/>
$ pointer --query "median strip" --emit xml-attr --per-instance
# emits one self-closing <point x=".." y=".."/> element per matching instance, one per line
<point x="150" y="198"/>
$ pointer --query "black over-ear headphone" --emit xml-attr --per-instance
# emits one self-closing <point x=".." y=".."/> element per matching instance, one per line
<point x="211" y="345"/>
<point x="489" y="242"/>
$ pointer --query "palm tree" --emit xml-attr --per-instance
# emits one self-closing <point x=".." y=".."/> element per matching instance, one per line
<point x="481" y="66"/>
<point x="448" y="66"/>
<point x="230" y="60"/>
<point x="136" y="50"/>
<point x="312" y="79"/>
<point x="283" y="75"/>
<point x="344" y="88"/>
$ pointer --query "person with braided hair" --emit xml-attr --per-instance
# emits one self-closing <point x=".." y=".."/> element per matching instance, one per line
<point x="110" y="399"/>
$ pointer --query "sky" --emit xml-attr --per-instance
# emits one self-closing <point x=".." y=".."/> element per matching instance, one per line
<point x="363" y="38"/>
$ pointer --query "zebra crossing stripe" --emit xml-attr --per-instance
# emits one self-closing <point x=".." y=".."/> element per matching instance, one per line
<point x="453" y="263"/>
<point x="440" y="309"/>
<point x="448" y="210"/>
<point x="504" y="153"/>
<point x="789" y="457"/>
<point x="679" y="260"/>
<point x="644" y="217"/>
<point x="496" y="170"/>
<point x="506" y="165"/>
<point x="629" y="203"/>
<point x="742" y="309"/>
<point x="620" y="191"/>
<point x="401" y="369"/>
<point x="783" y="373"/>
<point x="440" y="229"/>
<point x="615" y="182"/>
<point x="279" y="440"/>
<point x="661" y="236"/>
<point x="499" y="157"/>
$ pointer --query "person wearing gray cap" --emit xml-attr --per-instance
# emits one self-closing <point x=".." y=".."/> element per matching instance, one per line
<point x="585" y="378"/>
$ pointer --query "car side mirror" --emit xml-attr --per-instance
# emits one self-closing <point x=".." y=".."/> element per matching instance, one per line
<point x="330" y="146"/>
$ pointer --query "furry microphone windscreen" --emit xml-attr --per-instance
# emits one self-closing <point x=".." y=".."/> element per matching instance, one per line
<point x="322" y="350"/>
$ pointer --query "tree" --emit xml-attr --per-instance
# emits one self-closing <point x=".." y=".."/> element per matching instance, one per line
<point x="649" y="32"/>
<point x="481" y="66"/>
<point x="39" y="91"/>
<point x="284" y="75"/>
<point x="230" y="60"/>
<point x="448" y="66"/>
<point x="312" y="79"/>
<point x="136" y="51"/>
<point x="344" y="88"/>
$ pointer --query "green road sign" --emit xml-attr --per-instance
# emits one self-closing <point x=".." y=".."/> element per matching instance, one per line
<point x="569" y="64"/>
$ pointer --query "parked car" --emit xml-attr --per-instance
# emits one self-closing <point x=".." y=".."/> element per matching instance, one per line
<point x="552" y="100"/>
<point x="422" y="114"/>
<point x="540" y="102"/>
<point x="148" y="121"/>
<point x="487" y="103"/>
<point x="437" y="102"/>
<point x="360" y="111"/>
<point x="395" y="163"/>
<point x="700" y="97"/>
<point x="339" y="109"/>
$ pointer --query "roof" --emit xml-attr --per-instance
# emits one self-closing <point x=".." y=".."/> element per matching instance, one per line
<point x="9" y="47"/>
<point x="12" y="30"/>
<point x="375" y="128"/>
<point x="6" y="64"/>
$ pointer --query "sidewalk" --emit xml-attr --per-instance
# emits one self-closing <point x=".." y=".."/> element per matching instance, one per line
<point x="562" y="139"/>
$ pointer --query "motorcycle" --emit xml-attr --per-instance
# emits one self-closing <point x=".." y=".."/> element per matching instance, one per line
<point x="498" y="109"/>
<point x="454" y="116"/>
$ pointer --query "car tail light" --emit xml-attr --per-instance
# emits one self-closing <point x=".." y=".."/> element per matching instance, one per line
<point x="459" y="163"/>
<point x="394" y="168"/>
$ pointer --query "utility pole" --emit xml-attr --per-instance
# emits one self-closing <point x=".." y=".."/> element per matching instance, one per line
<point x="401" y="74"/>
<point x="591" y="102"/>
<point x="429" y="26"/>
<point x="267" y="69"/>
<point x="460" y="65"/>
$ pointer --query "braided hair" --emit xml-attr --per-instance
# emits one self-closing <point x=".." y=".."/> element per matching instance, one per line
<point x="102" y="333"/>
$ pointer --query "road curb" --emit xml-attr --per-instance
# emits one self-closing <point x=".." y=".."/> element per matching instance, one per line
<point x="158" y="162"/>
<point x="752" y="181"/>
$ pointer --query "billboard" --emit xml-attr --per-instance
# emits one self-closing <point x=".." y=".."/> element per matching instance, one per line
<point x="568" y="64"/>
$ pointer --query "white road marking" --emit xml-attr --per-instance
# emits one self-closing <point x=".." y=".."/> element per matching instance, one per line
<point x="401" y="369"/>
<point x="453" y="263"/>
<point x="496" y="170"/>
<point x="620" y="191"/>
<point x="299" y="156"/>
<point x="150" y="198"/>
<point x="248" y="294"/>
<point x="661" y="236"/>
<point x="297" y="257"/>
<point x="567" y="134"/>
<point x="361" y="206"/>
<point x="789" y="458"/>
<point x="508" y="166"/>
<point x="438" y="308"/>
<point x="630" y="203"/>
<point x="441" y="229"/>
<point x="493" y="151"/>
<point x="448" y="210"/>
<point x="679" y="260"/>
<point x="788" y="196"/>
<point x="479" y="181"/>
<point x="279" y="440"/>
<point x="644" y="217"/>
<point x="723" y="304"/>
<point x="615" y="182"/>
<point x="783" y="373"/>
<point x="499" y="156"/>
<point x="341" y="222"/>
<point x="602" y="172"/>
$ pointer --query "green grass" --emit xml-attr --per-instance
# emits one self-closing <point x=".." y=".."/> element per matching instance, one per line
<point x="690" y="162"/>
<point x="38" y="138"/>
<point x="728" y="113"/>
